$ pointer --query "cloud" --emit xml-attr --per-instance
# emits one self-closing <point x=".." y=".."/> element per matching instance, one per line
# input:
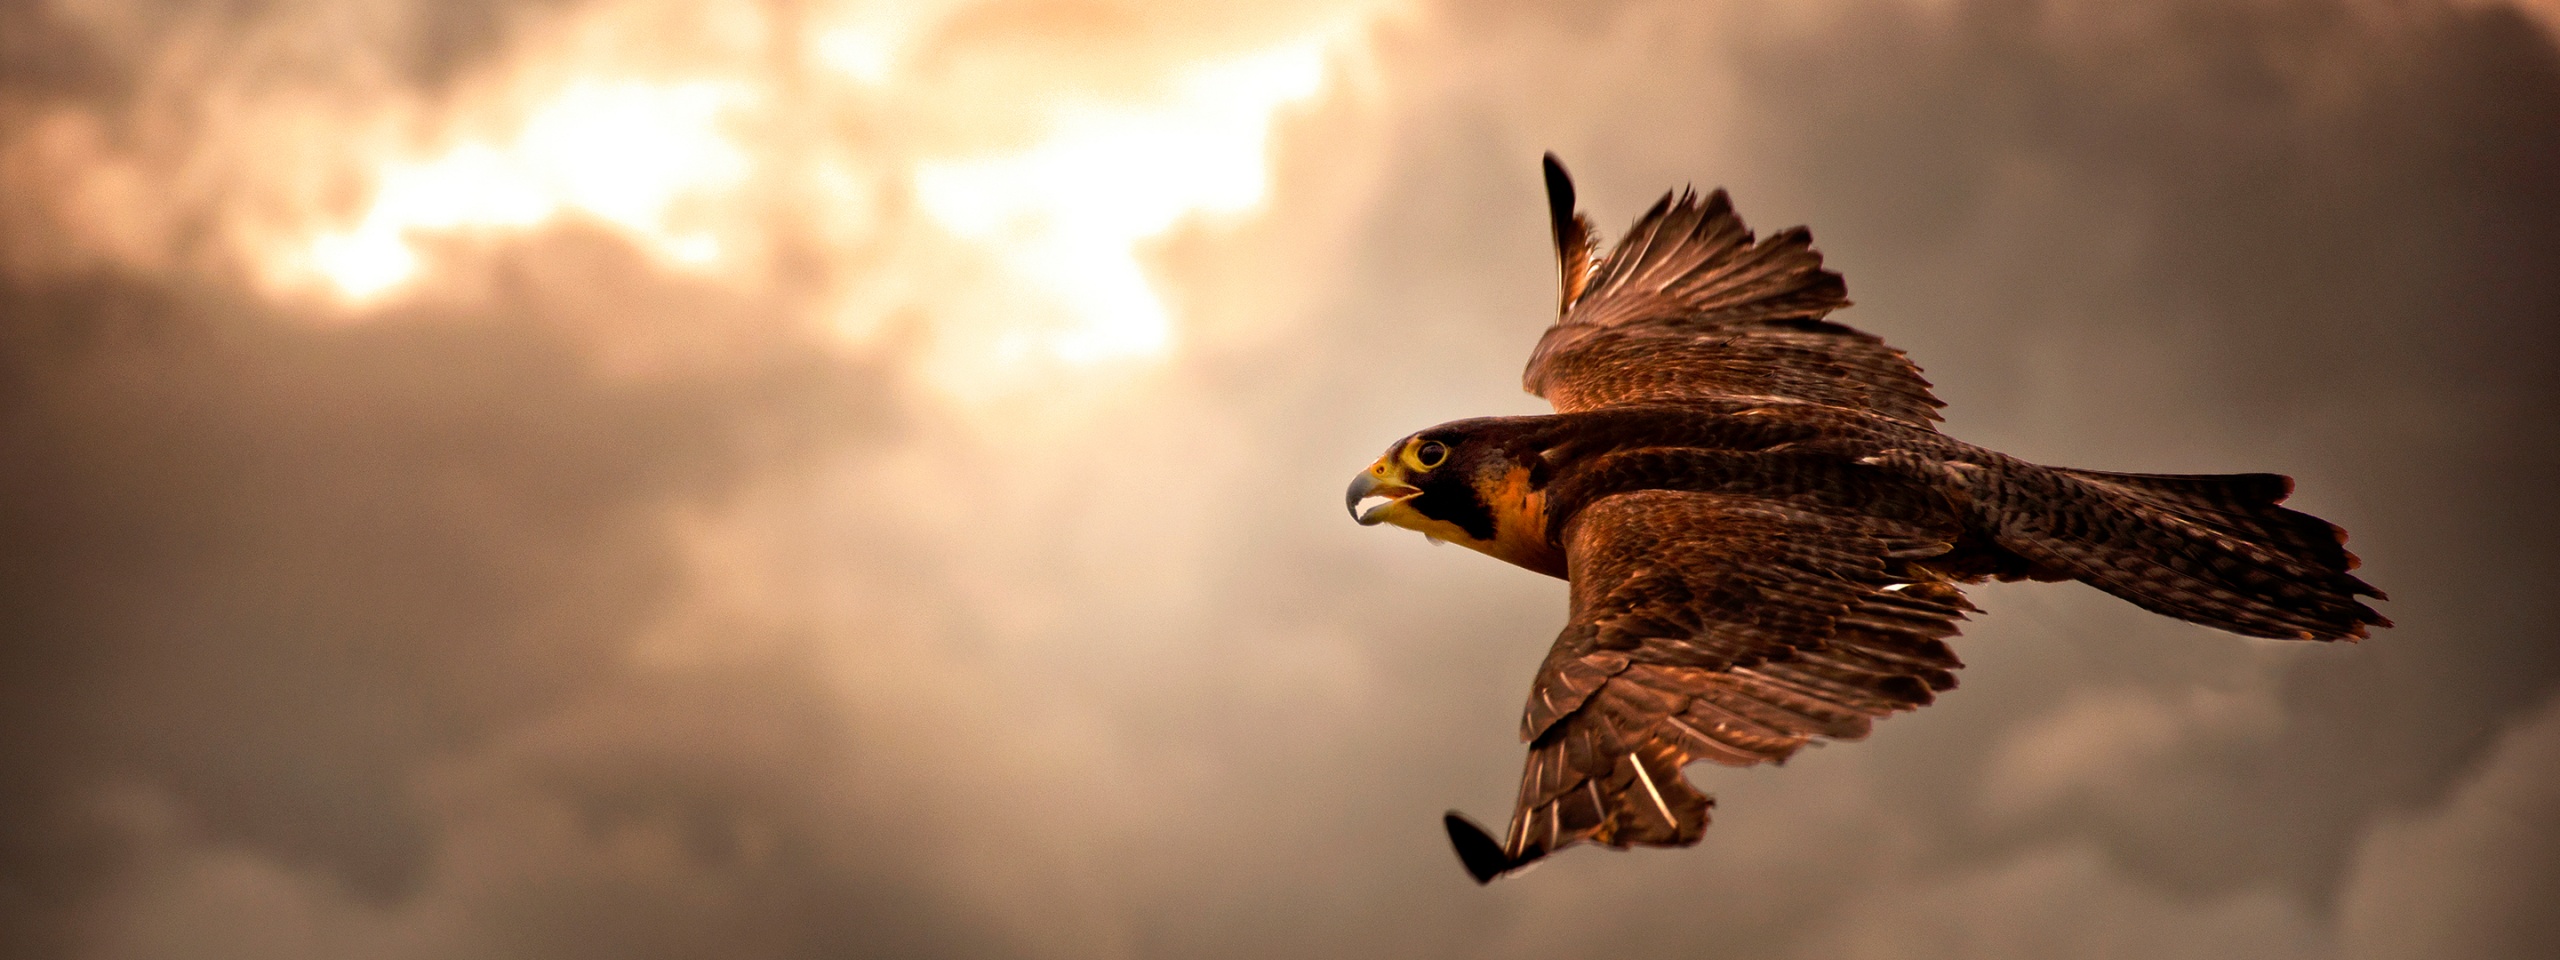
<point x="2467" y="877"/>
<point x="2070" y="902"/>
<point x="265" y="572"/>
<point x="570" y="597"/>
<point x="2106" y="743"/>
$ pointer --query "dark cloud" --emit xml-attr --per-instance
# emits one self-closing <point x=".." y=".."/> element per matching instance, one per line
<point x="588" y="609"/>
<point x="2462" y="879"/>
<point x="41" y="55"/>
<point x="269" y="569"/>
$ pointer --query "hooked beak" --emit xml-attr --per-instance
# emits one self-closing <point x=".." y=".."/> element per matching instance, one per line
<point x="1382" y="479"/>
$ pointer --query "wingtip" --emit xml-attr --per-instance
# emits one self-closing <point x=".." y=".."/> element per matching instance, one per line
<point x="1559" y="190"/>
<point x="1477" y="850"/>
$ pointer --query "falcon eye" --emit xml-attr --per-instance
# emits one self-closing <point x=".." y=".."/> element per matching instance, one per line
<point x="1430" y="454"/>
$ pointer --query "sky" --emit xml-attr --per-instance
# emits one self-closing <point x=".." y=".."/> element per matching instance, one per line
<point x="651" y="478"/>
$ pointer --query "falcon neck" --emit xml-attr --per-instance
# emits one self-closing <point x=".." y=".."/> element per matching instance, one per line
<point x="1521" y="534"/>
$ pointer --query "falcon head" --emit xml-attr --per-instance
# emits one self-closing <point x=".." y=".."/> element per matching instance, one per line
<point x="1460" y="482"/>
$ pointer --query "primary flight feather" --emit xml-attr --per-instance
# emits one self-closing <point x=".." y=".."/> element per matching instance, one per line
<point x="1764" y="530"/>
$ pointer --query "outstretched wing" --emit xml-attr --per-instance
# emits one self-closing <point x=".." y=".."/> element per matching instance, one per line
<point x="1689" y="305"/>
<point x="1712" y="627"/>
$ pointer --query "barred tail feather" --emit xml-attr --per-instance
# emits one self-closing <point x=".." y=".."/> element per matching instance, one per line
<point x="2210" y="549"/>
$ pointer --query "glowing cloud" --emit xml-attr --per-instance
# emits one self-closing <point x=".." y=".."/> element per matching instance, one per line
<point x="866" y="55"/>
<point x="1016" y="255"/>
<point x="1068" y="214"/>
<point x="868" y="41"/>
<point x="622" y="153"/>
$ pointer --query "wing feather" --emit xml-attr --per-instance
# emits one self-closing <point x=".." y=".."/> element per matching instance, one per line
<point x="1717" y="627"/>
<point x="1688" y="305"/>
<point x="1577" y="240"/>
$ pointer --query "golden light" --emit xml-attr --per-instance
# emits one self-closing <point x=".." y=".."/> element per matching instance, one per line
<point x="1008" y="225"/>
<point x="1068" y="215"/>
<point x="623" y="153"/>
<point x="866" y="55"/>
<point x="867" y="41"/>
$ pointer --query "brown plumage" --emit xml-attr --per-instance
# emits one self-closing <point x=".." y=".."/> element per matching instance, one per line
<point x="1764" y="529"/>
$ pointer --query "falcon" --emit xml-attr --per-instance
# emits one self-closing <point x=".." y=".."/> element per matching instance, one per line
<point x="1765" y="533"/>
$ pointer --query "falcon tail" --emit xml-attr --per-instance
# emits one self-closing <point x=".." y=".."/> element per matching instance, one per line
<point x="2213" y="549"/>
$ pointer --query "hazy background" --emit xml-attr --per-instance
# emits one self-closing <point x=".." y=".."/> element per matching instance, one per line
<point x="641" y="478"/>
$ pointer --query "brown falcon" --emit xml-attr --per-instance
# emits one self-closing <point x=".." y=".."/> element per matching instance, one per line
<point x="1764" y="530"/>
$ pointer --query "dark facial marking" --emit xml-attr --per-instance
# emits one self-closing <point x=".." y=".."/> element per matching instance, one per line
<point x="1447" y="494"/>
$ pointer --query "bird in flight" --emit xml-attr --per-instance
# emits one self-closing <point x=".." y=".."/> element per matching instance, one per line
<point x="1765" y="533"/>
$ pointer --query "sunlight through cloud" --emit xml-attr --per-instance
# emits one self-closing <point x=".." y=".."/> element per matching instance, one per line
<point x="1068" y="214"/>
<point x="623" y="153"/>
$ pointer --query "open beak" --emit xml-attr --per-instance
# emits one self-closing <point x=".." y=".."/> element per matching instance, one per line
<point x="1382" y="479"/>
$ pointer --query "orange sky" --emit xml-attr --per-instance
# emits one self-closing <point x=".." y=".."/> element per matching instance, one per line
<point x="637" y="477"/>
